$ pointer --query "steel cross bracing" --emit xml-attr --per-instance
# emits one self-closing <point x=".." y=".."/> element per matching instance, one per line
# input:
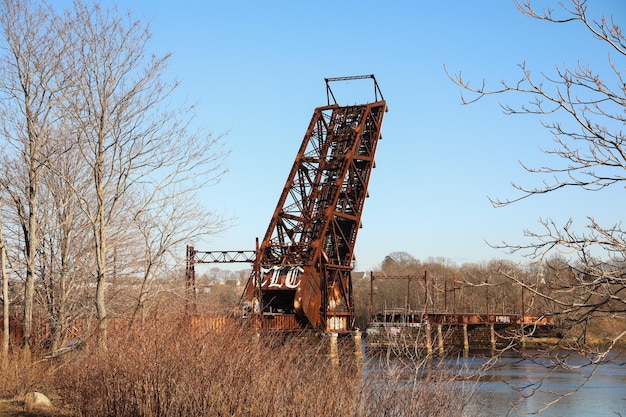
<point x="204" y="257"/>
<point x="224" y="256"/>
<point x="305" y="259"/>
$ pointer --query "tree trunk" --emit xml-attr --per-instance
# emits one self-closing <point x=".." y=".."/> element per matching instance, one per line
<point x="31" y="243"/>
<point x="100" y="234"/>
<point x="5" y="299"/>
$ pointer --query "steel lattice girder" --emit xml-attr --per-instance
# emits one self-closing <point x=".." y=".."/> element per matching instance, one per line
<point x="308" y="249"/>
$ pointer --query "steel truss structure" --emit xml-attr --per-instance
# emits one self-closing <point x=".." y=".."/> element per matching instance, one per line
<point x="302" y="269"/>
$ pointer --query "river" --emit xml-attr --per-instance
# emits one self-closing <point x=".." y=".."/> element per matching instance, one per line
<point x="504" y="388"/>
<point x="516" y="386"/>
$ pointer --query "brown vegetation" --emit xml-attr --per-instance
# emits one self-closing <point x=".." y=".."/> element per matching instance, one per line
<point x="167" y="367"/>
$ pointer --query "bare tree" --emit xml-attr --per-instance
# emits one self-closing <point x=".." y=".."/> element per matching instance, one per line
<point x="589" y="154"/>
<point x="591" y="145"/>
<point x="140" y="152"/>
<point x="97" y="158"/>
<point x="5" y="291"/>
<point x="66" y="249"/>
<point x="30" y="85"/>
<point x="164" y="228"/>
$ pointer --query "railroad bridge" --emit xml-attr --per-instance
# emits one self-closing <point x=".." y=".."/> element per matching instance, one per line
<point x="458" y="330"/>
<point x="301" y="269"/>
<point x="488" y="329"/>
<point x="455" y="319"/>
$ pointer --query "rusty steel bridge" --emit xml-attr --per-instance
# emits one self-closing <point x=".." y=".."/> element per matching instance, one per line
<point x="301" y="269"/>
<point x="301" y="274"/>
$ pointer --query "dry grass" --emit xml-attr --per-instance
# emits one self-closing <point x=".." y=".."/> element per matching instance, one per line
<point x="169" y="368"/>
<point x="20" y="374"/>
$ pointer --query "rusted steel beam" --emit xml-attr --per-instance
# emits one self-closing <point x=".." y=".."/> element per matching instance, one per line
<point x="407" y="277"/>
<point x="190" y="280"/>
<point x="304" y="262"/>
<point x="224" y="256"/>
<point x="194" y="257"/>
<point x="329" y="92"/>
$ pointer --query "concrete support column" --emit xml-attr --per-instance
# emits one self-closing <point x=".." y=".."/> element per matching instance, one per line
<point x="358" y="349"/>
<point x="440" y="338"/>
<point x="334" y="352"/>
<point x="429" y="342"/>
<point x="492" y="338"/>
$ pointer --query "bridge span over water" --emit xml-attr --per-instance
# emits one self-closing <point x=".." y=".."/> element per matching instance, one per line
<point x="400" y="316"/>
<point x="394" y="327"/>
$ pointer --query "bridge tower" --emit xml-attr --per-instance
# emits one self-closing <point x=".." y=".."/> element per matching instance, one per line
<point x="302" y="272"/>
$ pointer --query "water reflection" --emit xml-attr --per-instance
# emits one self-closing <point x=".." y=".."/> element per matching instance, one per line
<point x="517" y="386"/>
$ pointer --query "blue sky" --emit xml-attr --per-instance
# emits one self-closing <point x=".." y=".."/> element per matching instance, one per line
<point x="257" y="71"/>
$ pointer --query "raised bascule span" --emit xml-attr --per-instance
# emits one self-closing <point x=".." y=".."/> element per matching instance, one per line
<point x="301" y="274"/>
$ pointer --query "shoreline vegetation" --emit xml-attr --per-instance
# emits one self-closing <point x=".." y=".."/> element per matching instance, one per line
<point x="168" y="366"/>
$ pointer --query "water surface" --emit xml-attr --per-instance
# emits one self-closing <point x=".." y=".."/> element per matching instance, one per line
<point x="516" y="386"/>
<point x="521" y="385"/>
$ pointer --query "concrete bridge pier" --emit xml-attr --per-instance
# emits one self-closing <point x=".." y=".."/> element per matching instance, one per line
<point x="358" y="349"/>
<point x="465" y="339"/>
<point x="440" y="338"/>
<point x="334" y="351"/>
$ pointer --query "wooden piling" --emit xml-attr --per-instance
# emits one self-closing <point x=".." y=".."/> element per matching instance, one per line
<point x="465" y="339"/>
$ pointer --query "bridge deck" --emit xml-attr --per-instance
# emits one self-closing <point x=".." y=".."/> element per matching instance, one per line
<point x="460" y="318"/>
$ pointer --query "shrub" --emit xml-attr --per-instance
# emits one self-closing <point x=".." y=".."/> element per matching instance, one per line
<point x="21" y="373"/>
<point x="172" y="368"/>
